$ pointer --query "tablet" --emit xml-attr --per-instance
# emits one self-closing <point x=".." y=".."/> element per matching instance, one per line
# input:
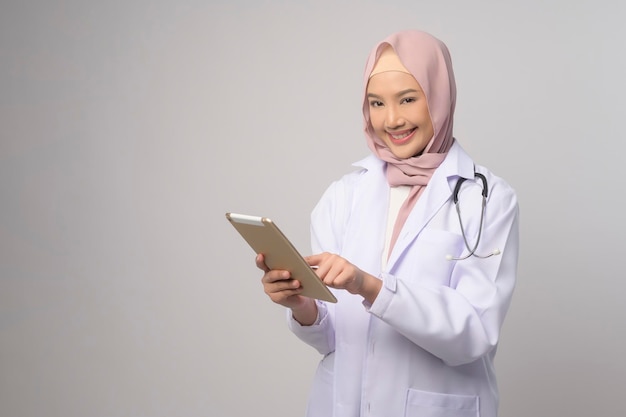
<point x="265" y="237"/>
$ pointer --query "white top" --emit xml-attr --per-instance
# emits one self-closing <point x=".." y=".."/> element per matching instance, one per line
<point x="397" y="196"/>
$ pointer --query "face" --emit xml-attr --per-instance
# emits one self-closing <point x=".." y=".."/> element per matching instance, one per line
<point x="399" y="113"/>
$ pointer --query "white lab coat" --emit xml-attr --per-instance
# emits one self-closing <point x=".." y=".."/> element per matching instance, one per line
<point x="426" y="346"/>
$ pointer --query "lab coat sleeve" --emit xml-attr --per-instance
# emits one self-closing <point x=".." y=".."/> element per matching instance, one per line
<point x="459" y="322"/>
<point x="319" y="335"/>
<point x="327" y="222"/>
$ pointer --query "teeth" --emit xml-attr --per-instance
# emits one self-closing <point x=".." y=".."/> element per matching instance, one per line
<point x="402" y="136"/>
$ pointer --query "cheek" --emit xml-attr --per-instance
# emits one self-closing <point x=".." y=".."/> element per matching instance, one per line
<point x="428" y="128"/>
<point x="425" y="115"/>
<point x="377" y="123"/>
<point x="375" y="119"/>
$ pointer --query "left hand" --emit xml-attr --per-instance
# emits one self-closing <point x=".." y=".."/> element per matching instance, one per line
<point x="337" y="272"/>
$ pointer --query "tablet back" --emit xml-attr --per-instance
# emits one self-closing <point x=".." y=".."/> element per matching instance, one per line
<point x="265" y="237"/>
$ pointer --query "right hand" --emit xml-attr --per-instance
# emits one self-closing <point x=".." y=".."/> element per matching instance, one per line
<point x="284" y="290"/>
<point x="279" y="285"/>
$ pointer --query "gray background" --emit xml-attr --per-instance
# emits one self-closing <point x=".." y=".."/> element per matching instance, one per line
<point x="128" y="129"/>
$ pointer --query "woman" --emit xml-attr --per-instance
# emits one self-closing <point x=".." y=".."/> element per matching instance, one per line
<point x="415" y="328"/>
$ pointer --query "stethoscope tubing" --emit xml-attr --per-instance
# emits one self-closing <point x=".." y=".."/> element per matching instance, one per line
<point x="455" y="199"/>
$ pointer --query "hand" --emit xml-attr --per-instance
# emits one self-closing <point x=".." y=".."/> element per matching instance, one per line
<point x="337" y="272"/>
<point x="284" y="290"/>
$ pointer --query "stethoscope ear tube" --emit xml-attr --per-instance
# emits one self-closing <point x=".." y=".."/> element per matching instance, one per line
<point x="455" y="199"/>
<point x="457" y="187"/>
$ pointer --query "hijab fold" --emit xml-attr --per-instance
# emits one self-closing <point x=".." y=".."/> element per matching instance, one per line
<point x="428" y="60"/>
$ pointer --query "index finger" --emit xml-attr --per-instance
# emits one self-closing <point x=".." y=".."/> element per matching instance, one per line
<point x="314" y="260"/>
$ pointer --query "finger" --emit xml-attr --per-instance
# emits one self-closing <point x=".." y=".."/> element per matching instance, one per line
<point x="276" y="275"/>
<point x="344" y="278"/>
<point x="319" y="258"/>
<point x="326" y="265"/>
<point x="284" y="285"/>
<point x="281" y="292"/>
<point x="335" y="276"/>
<point x="327" y="275"/>
<point x="260" y="262"/>
<point x="313" y="260"/>
<point x="284" y="297"/>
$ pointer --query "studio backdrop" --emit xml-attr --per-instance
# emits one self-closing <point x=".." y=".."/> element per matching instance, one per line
<point x="129" y="128"/>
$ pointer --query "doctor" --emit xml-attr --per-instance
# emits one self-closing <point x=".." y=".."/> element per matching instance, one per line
<point x="414" y="333"/>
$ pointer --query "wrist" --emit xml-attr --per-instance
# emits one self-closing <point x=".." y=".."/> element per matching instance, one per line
<point x="306" y="313"/>
<point x="370" y="288"/>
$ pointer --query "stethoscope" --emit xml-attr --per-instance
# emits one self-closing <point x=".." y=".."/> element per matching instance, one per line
<point x="455" y="198"/>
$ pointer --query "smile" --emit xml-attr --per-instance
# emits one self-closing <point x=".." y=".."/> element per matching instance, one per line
<point x="400" y="138"/>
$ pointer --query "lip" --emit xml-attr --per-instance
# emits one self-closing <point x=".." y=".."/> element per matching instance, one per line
<point x="404" y="139"/>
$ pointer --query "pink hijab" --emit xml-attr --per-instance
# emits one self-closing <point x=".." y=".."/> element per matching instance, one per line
<point x="428" y="60"/>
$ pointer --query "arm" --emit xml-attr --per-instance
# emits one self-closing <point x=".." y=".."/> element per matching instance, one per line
<point x="327" y="221"/>
<point x="455" y="315"/>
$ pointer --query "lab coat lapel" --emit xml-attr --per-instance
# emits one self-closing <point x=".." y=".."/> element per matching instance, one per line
<point x="436" y="194"/>
<point x="439" y="191"/>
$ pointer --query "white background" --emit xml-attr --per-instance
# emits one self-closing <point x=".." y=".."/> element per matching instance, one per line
<point x="128" y="129"/>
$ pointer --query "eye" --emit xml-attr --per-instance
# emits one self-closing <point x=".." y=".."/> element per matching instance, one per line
<point x="408" y="100"/>
<point x="376" y="103"/>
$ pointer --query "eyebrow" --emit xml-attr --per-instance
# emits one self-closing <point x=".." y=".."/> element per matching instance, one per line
<point x="399" y="94"/>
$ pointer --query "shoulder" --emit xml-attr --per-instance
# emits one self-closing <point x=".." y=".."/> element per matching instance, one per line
<point x="460" y="164"/>
<point x="500" y="192"/>
<point x="340" y="194"/>
<point x="367" y="169"/>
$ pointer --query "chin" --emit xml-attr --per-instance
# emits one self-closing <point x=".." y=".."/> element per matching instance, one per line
<point x="405" y="153"/>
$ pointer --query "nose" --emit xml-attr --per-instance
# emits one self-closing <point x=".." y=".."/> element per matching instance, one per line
<point x="393" y="118"/>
